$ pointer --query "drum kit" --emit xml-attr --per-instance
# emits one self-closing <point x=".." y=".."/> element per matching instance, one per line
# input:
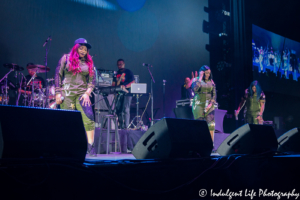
<point x="33" y="93"/>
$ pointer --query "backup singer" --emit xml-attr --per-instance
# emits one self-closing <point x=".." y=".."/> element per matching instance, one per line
<point x="254" y="101"/>
<point x="205" y="98"/>
<point x="75" y="80"/>
<point x="186" y="89"/>
<point x="124" y="78"/>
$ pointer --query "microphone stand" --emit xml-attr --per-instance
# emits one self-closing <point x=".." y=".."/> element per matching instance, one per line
<point x="5" y="77"/>
<point x="32" y="90"/>
<point x="25" y="97"/>
<point x="152" y="80"/>
<point x="164" y="99"/>
<point x="46" y="63"/>
<point x="19" y="93"/>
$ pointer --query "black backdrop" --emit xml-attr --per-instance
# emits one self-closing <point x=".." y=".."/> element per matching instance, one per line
<point x="165" y="33"/>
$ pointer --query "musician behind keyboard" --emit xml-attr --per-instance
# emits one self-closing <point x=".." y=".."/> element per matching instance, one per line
<point x="124" y="78"/>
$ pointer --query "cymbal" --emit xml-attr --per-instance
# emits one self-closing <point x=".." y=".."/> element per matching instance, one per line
<point x="13" y="66"/>
<point x="38" y="68"/>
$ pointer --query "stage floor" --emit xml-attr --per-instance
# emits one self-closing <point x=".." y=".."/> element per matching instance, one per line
<point x="129" y="138"/>
<point x="116" y="157"/>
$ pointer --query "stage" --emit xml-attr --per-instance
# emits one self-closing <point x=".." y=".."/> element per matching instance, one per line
<point x="129" y="138"/>
<point x="121" y="176"/>
<point x="51" y="164"/>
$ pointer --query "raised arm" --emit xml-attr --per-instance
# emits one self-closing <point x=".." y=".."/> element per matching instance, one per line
<point x="197" y="85"/>
<point x="187" y="86"/>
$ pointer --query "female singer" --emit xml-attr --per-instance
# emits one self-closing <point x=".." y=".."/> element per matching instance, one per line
<point x="74" y="82"/>
<point x="254" y="101"/>
<point x="205" y="98"/>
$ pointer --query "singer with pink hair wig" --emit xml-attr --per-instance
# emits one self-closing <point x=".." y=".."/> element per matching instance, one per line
<point x="74" y="82"/>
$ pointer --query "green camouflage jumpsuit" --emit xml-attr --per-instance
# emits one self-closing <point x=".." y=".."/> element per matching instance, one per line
<point x="204" y="90"/>
<point x="72" y="87"/>
<point x="252" y="107"/>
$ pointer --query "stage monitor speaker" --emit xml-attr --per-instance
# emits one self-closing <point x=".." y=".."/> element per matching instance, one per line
<point x="249" y="139"/>
<point x="183" y="112"/>
<point x="27" y="132"/>
<point x="289" y="141"/>
<point x="174" y="138"/>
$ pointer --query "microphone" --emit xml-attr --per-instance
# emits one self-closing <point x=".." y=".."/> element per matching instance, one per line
<point x="147" y="65"/>
<point x="49" y="38"/>
<point x="53" y="104"/>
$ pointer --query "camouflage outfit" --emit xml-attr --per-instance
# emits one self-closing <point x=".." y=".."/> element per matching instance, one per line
<point x="252" y="107"/>
<point x="204" y="90"/>
<point x="72" y="87"/>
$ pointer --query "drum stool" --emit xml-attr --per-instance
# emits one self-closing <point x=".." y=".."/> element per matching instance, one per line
<point x="108" y="131"/>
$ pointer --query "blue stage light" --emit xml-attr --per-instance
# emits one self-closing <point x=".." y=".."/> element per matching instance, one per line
<point x="98" y="3"/>
<point x="131" y="5"/>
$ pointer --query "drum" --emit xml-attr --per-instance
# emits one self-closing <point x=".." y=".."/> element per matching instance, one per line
<point x="51" y="89"/>
<point x="38" y="99"/>
<point x="3" y="98"/>
<point x="51" y="92"/>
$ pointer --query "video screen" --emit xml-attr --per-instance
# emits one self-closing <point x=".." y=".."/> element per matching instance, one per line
<point x="276" y="61"/>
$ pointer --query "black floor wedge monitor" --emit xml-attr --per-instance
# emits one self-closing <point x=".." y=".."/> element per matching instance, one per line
<point x="249" y="139"/>
<point x="290" y="141"/>
<point x="27" y="132"/>
<point x="175" y="138"/>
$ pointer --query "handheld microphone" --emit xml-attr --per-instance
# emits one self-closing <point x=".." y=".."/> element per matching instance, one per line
<point x="53" y="104"/>
<point x="147" y="65"/>
<point x="49" y="38"/>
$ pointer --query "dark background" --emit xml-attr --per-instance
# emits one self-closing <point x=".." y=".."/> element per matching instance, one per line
<point x="169" y="34"/>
